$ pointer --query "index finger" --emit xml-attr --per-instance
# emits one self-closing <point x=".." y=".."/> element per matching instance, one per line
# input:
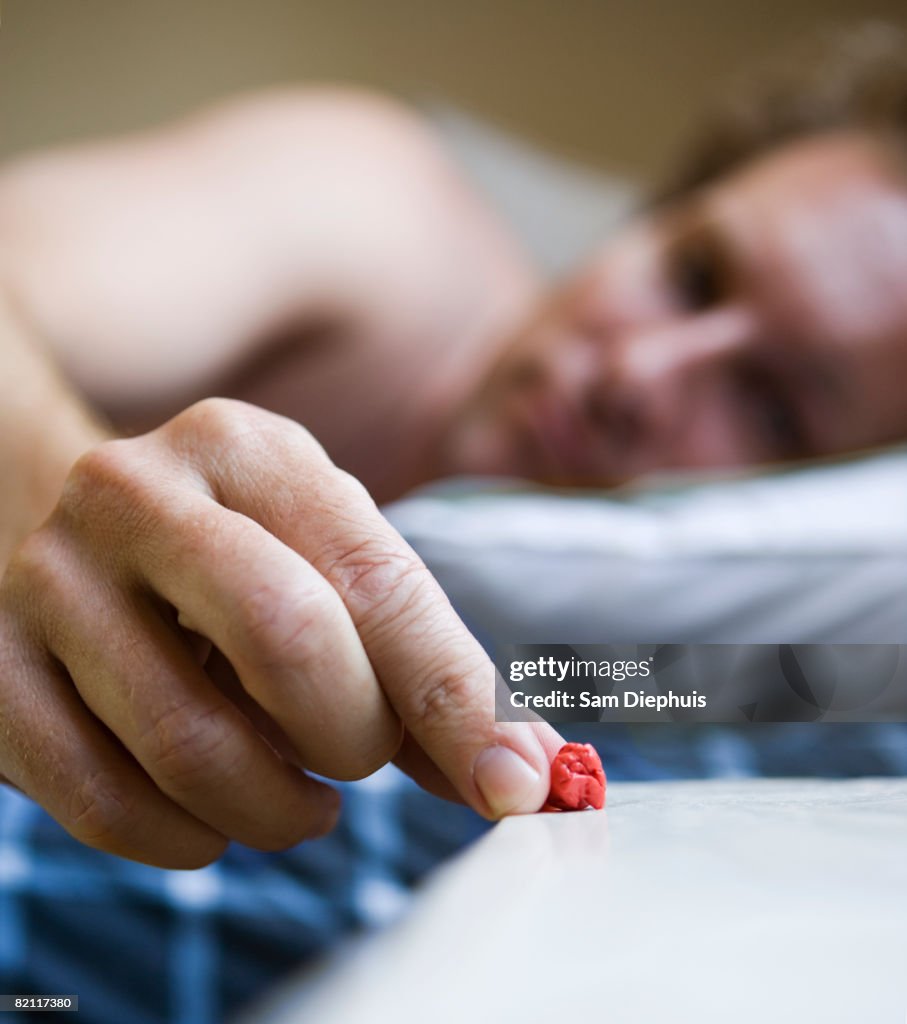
<point x="435" y="674"/>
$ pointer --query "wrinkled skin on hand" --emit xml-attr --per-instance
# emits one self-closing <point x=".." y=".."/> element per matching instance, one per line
<point x="212" y="611"/>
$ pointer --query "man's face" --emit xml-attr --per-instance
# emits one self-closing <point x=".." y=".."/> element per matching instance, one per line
<point x="762" y="319"/>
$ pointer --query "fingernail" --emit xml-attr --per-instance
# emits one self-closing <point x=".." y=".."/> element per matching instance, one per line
<point x="505" y="780"/>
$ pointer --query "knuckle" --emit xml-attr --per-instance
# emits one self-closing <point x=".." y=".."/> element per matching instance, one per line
<point x="380" y="584"/>
<point x="38" y="582"/>
<point x="222" y="420"/>
<point x="33" y="565"/>
<point x="440" y="701"/>
<point x="230" y="424"/>
<point x="104" y="815"/>
<point x="101" y="812"/>
<point x="102" y="468"/>
<point x="186" y="747"/>
<point x="240" y="431"/>
<point x="109" y="487"/>
<point x="354" y="490"/>
<point x="279" y="627"/>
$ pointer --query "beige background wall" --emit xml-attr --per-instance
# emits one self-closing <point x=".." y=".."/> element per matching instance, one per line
<point x="613" y="82"/>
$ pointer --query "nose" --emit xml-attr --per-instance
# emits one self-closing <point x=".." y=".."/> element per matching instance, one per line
<point x="655" y="380"/>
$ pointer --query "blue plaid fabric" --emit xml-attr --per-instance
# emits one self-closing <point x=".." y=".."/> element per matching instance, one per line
<point x="144" y="946"/>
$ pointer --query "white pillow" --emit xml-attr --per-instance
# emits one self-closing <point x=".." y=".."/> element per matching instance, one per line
<point x="558" y="209"/>
<point x="807" y="556"/>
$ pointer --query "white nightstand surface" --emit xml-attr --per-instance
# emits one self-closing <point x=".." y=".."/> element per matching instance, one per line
<point x="727" y="901"/>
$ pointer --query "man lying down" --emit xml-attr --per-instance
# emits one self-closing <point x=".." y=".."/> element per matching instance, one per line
<point x="200" y="602"/>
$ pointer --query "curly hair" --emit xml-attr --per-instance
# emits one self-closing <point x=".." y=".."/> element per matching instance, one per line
<point x="842" y="77"/>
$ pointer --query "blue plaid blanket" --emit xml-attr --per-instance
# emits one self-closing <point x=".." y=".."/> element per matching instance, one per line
<point x="144" y="946"/>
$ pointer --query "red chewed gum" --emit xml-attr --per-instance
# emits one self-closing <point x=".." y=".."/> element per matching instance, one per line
<point x="577" y="779"/>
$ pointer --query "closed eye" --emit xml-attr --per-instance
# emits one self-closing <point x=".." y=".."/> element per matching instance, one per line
<point x="699" y="274"/>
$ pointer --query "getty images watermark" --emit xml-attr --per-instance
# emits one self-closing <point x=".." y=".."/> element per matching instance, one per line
<point x="728" y="683"/>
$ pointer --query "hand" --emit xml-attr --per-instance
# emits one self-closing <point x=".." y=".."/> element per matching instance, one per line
<point x="229" y="529"/>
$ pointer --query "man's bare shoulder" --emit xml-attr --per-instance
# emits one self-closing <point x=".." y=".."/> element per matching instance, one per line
<point x="349" y="114"/>
<point x="380" y="170"/>
<point x="315" y="204"/>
